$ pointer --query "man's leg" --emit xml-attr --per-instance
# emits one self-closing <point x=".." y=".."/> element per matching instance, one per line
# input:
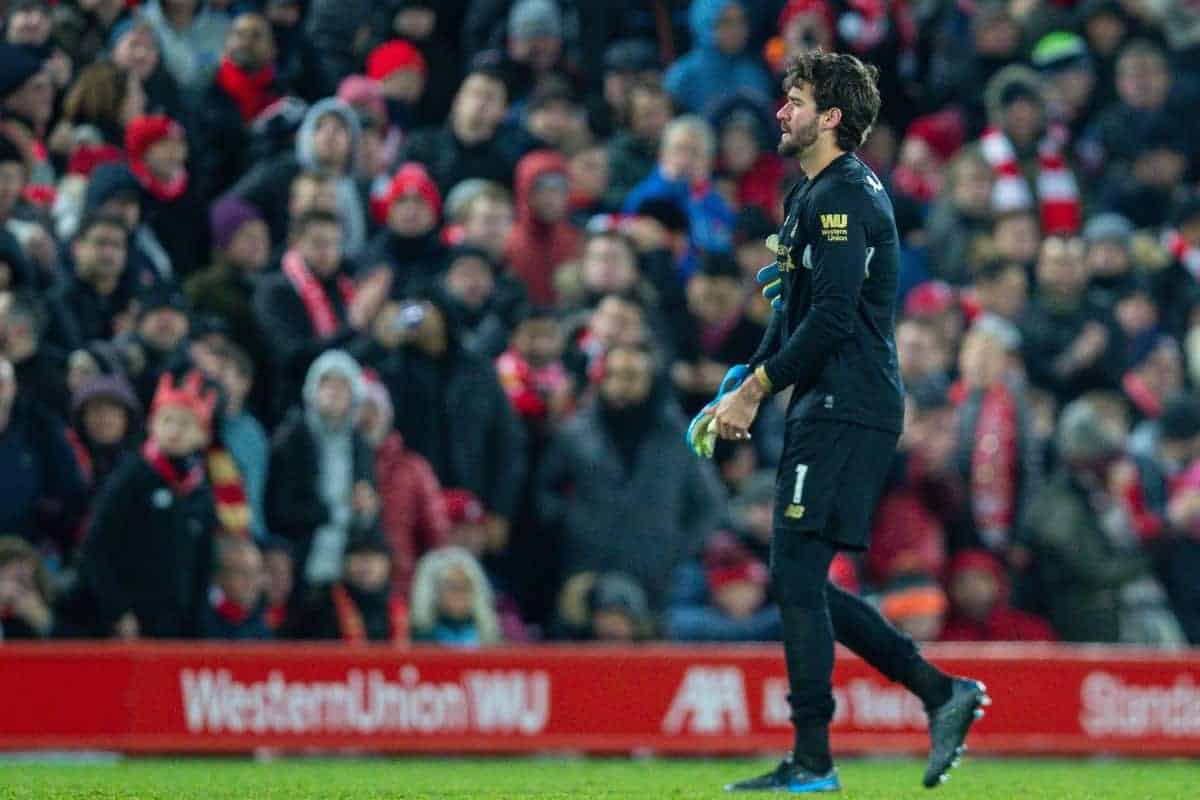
<point x="859" y="626"/>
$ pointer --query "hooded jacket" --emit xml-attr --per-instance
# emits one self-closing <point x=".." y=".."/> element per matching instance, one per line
<point x="705" y="72"/>
<point x="536" y="248"/>
<point x="1004" y="623"/>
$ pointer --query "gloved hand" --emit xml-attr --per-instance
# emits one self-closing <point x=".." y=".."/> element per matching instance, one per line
<point x="701" y="435"/>
<point x="772" y="284"/>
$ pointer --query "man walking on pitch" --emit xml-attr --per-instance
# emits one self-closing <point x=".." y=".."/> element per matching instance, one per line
<point x="833" y="288"/>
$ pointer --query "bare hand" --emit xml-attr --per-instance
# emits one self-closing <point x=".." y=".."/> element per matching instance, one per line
<point x="369" y="296"/>
<point x="365" y="501"/>
<point x="736" y="411"/>
<point x="384" y="329"/>
<point x="1091" y="343"/>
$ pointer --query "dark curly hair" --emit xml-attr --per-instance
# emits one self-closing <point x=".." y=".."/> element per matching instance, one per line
<point x="839" y="80"/>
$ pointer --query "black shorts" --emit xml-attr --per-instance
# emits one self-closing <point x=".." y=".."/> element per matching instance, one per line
<point x="830" y="478"/>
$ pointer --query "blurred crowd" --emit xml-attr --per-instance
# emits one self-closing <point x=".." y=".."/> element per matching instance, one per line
<point x="380" y="320"/>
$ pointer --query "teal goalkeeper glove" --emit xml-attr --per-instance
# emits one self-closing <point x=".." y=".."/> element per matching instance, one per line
<point x="772" y="284"/>
<point x="701" y="435"/>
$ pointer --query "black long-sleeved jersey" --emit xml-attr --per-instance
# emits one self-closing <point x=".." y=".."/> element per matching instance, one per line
<point x="833" y="340"/>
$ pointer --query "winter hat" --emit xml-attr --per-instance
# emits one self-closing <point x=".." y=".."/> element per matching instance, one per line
<point x="412" y="178"/>
<point x="797" y="7"/>
<point x="163" y="294"/>
<point x="1108" y="227"/>
<point x="106" y="387"/>
<point x="928" y="298"/>
<point x="392" y="56"/>
<point x="944" y="132"/>
<point x="631" y="55"/>
<point x="188" y="393"/>
<point x="1060" y="50"/>
<point x="144" y="132"/>
<point x="17" y="65"/>
<point x="1082" y="435"/>
<point x="462" y="506"/>
<point x="364" y="95"/>
<point x="227" y="217"/>
<point x="109" y="181"/>
<point x="530" y="19"/>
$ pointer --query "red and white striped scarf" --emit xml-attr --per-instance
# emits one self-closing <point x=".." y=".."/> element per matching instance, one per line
<point x="1186" y="254"/>
<point x="1057" y="190"/>
<point x="994" y="465"/>
<point x="320" y="311"/>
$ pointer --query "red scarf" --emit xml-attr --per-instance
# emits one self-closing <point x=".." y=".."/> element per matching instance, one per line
<point x="276" y="616"/>
<point x="1057" y="191"/>
<point x="320" y="311"/>
<point x="350" y="621"/>
<point x="82" y="455"/>
<point x="233" y="508"/>
<point x="166" y="192"/>
<point x="226" y="609"/>
<point x="252" y="92"/>
<point x="1142" y="396"/>
<point x="1186" y="254"/>
<point x="179" y="485"/>
<point x="994" y="466"/>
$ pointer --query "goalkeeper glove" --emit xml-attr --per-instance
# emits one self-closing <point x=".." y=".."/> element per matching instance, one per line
<point x="701" y="435"/>
<point x="772" y="285"/>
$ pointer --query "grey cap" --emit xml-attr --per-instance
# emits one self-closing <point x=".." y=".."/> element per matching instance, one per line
<point x="1106" y="228"/>
<point x="1082" y="435"/>
<point x="530" y="19"/>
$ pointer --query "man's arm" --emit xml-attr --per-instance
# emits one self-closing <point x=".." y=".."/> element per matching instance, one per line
<point x="839" y="259"/>
<point x="769" y="345"/>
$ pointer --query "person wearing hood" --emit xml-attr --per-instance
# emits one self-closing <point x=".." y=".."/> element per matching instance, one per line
<point x="106" y="426"/>
<point x="312" y="305"/>
<point x="412" y="514"/>
<point x="474" y="143"/>
<point x="157" y="148"/>
<point x="243" y="86"/>
<point x="450" y="407"/>
<point x="718" y="62"/>
<point x="327" y="143"/>
<point x="93" y="300"/>
<point x="192" y="37"/>
<point x="638" y="503"/>
<point x="321" y="479"/>
<point x="408" y="246"/>
<point x="159" y="336"/>
<point x="114" y="189"/>
<point x="978" y="589"/>
<point x="543" y="237"/>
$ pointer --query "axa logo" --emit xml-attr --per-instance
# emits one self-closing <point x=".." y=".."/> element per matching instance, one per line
<point x="711" y="700"/>
<point x="833" y="221"/>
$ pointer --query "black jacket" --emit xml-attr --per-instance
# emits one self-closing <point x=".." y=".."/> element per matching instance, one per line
<point x="450" y="161"/>
<point x="78" y="314"/>
<point x="414" y="262"/>
<point x="222" y="142"/>
<point x="294" y="505"/>
<point x="834" y="340"/>
<point x="148" y="551"/>
<point x="317" y="617"/>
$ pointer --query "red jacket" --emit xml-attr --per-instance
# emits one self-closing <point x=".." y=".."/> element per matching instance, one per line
<point x="1004" y="623"/>
<point x="412" y="513"/>
<point x="537" y="249"/>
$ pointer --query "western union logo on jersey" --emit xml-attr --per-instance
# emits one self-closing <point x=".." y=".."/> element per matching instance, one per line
<point x="833" y="227"/>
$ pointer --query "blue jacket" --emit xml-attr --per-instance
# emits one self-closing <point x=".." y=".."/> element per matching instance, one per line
<point x="705" y="73"/>
<point x="709" y="218"/>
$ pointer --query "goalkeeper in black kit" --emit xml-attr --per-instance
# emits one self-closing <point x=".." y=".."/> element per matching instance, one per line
<point x="833" y="290"/>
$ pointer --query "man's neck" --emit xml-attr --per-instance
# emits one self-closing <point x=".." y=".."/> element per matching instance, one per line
<point x="818" y="157"/>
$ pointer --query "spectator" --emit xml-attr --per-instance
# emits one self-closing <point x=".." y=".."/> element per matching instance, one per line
<point x="192" y="36"/>
<point x="101" y="102"/>
<point x="226" y="288"/>
<point x="638" y="502"/>
<point x="278" y="581"/>
<point x="450" y="408"/>
<point x="158" y="151"/>
<point x="719" y="61"/>
<point x="39" y="370"/>
<point x="327" y="144"/>
<point x="408" y="246"/>
<point x="147" y="559"/>
<point x="1100" y="587"/>
<point x="297" y="59"/>
<point x="321" y="486"/>
<point x="26" y="95"/>
<point x="14" y="172"/>
<point x="25" y="599"/>
<point x="311" y="305"/>
<point x="978" y="588"/>
<point x="244" y="84"/>
<point x="1153" y="183"/>
<point x="83" y="30"/>
<point x="532" y="373"/>
<point x="543" y="238"/>
<point x="93" y="302"/>
<point x="916" y="605"/>
<point x="633" y="151"/>
<point x="748" y="170"/>
<point x="478" y="294"/>
<point x="723" y="597"/>
<point x="158" y="339"/>
<point x="114" y="190"/>
<point x="960" y="218"/>
<point x="135" y="46"/>
<point x="1002" y="289"/>
<point x="235" y="609"/>
<point x="473" y="143"/>
<point x="604" y="607"/>
<point x="359" y="607"/>
<point x="105" y="428"/>
<point x="243" y="434"/>
<point x="1063" y="60"/>
<point x="339" y="33"/>
<point x="452" y="602"/>
<point x="487" y="221"/>
<point x="401" y="71"/>
<point x="411" y="512"/>
<point x="627" y="62"/>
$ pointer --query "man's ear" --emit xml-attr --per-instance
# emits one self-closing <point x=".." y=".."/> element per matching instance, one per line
<point x="833" y="118"/>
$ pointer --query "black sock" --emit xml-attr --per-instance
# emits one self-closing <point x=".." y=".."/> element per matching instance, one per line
<point x="812" y="749"/>
<point x="929" y="683"/>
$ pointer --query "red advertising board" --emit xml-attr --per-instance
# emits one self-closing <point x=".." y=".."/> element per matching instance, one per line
<point x="210" y="698"/>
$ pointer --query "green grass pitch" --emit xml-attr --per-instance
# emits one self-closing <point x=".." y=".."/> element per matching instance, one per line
<point x="577" y="779"/>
